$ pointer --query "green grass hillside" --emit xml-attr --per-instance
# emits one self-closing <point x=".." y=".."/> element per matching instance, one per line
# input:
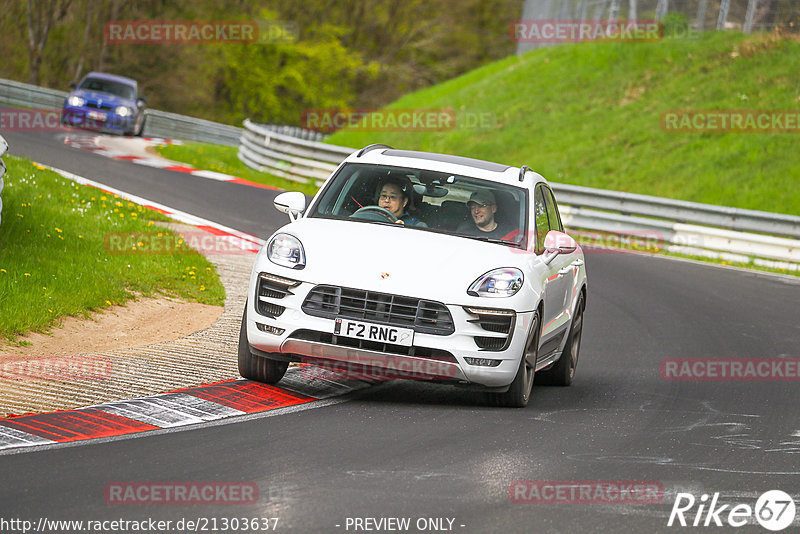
<point x="590" y="114"/>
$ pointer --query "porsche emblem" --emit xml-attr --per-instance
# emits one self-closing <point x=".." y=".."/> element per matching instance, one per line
<point x="384" y="275"/>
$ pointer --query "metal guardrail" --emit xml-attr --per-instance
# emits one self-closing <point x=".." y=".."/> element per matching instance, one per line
<point x="174" y="126"/>
<point x="295" y="159"/>
<point x="761" y="222"/>
<point x="294" y="131"/>
<point x="687" y="227"/>
<point x="3" y="148"/>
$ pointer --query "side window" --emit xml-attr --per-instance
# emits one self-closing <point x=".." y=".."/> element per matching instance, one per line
<point x="540" y="215"/>
<point x="552" y="210"/>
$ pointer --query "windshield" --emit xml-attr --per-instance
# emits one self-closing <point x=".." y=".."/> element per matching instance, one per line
<point x="427" y="200"/>
<point x="107" y="86"/>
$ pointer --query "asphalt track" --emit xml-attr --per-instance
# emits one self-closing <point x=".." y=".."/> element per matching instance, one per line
<point x="411" y="450"/>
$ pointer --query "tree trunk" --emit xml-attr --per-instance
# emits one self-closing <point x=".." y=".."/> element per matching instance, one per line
<point x="723" y="14"/>
<point x="42" y="15"/>
<point x="101" y="60"/>
<point x="701" y="15"/>
<point x="90" y="11"/>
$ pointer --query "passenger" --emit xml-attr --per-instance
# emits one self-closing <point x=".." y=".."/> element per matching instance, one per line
<point x="482" y="207"/>
<point x="394" y="196"/>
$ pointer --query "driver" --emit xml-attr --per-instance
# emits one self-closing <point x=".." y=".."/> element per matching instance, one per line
<point x="394" y="196"/>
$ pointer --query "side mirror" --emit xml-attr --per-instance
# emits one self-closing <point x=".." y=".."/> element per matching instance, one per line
<point x="556" y="242"/>
<point x="292" y="203"/>
<point x="73" y="85"/>
<point x="141" y="100"/>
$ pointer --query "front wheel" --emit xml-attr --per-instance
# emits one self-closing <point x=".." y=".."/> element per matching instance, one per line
<point x="255" y="367"/>
<point x="519" y="392"/>
<point x="138" y="131"/>
<point x="563" y="372"/>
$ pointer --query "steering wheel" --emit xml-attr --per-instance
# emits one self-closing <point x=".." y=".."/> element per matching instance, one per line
<point x="374" y="213"/>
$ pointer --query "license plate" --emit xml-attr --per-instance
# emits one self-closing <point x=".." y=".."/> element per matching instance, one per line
<point x="96" y="115"/>
<point x="374" y="332"/>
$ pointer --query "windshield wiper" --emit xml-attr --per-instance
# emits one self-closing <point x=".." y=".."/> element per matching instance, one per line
<point x="492" y="240"/>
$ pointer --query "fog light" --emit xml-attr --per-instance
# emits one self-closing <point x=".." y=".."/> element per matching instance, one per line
<point x="270" y="329"/>
<point x="482" y="362"/>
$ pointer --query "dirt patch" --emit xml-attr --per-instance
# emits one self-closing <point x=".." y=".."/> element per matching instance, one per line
<point x="140" y="322"/>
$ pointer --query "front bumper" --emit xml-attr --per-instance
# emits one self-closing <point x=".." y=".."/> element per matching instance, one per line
<point x="280" y="326"/>
<point x="101" y="120"/>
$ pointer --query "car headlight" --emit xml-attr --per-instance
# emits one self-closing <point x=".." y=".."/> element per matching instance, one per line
<point x="503" y="282"/>
<point x="123" y="111"/>
<point x="287" y="251"/>
<point x="75" y="101"/>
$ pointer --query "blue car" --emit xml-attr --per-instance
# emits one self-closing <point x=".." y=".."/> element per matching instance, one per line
<point x="106" y="103"/>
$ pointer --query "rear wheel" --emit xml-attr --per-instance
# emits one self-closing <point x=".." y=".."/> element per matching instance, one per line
<point x="519" y="393"/>
<point x="255" y="367"/>
<point x="562" y="373"/>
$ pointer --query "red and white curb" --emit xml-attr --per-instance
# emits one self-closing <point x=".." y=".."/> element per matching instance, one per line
<point x="244" y="242"/>
<point x="135" y="150"/>
<point x="179" y="408"/>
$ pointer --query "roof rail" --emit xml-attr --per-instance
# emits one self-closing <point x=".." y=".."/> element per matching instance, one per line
<point x="522" y="171"/>
<point x="372" y="147"/>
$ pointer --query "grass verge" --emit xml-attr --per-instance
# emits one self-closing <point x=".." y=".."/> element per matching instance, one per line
<point x="53" y="256"/>
<point x="590" y="114"/>
<point x="223" y="159"/>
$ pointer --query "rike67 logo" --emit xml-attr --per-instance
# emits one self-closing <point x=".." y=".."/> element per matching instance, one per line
<point x="774" y="510"/>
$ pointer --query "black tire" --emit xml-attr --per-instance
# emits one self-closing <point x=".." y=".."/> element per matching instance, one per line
<point x="519" y="393"/>
<point x="563" y="372"/>
<point x="255" y="367"/>
<point x="138" y="133"/>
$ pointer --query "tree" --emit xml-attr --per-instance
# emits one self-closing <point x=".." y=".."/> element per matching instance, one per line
<point x="42" y="16"/>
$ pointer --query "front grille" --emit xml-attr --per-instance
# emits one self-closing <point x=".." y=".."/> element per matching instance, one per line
<point x="424" y="316"/>
<point x="272" y="287"/>
<point x="95" y="106"/>
<point x="418" y="352"/>
<point x="496" y="321"/>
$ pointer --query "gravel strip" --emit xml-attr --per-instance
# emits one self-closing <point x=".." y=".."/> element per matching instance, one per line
<point x="202" y="357"/>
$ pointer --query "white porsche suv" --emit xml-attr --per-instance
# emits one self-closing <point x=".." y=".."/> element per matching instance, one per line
<point x="420" y="266"/>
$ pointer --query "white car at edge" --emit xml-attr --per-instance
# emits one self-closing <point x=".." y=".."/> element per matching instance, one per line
<point x="346" y="285"/>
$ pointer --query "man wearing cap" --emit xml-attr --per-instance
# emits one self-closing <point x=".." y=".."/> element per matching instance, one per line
<point x="482" y="207"/>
